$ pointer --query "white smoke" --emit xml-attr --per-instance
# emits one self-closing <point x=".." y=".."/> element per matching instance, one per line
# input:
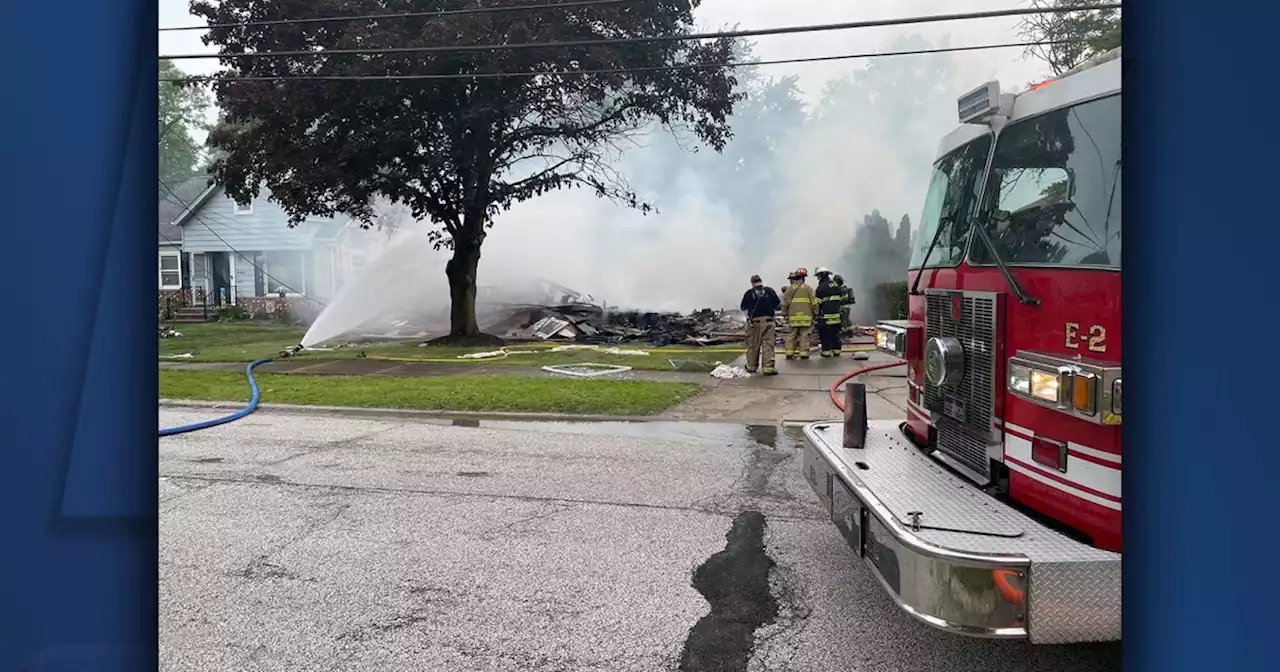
<point x="872" y="153"/>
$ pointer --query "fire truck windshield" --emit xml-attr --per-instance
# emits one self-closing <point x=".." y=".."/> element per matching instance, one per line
<point x="1054" y="193"/>
<point x="948" y="206"/>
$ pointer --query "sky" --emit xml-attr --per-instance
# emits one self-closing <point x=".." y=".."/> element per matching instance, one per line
<point x="1007" y="65"/>
<point x="682" y="258"/>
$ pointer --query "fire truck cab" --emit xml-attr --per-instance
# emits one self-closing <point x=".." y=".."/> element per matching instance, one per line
<point x="993" y="509"/>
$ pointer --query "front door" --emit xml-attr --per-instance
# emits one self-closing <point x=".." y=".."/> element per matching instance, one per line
<point x="220" y="273"/>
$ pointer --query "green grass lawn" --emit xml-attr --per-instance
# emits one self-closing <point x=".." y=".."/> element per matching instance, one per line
<point x="247" y="341"/>
<point x="452" y="393"/>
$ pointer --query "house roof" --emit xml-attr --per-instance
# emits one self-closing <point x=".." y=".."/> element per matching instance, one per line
<point x="331" y="230"/>
<point x="175" y="205"/>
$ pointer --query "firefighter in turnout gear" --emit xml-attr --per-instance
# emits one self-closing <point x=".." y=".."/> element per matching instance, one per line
<point x="830" y="304"/>
<point x="799" y="308"/>
<point x="761" y="305"/>
<point x="846" y="304"/>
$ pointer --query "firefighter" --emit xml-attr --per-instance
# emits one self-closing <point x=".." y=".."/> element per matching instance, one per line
<point x="798" y="308"/>
<point x="846" y="304"/>
<point x="830" y="302"/>
<point x="761" y="305"/>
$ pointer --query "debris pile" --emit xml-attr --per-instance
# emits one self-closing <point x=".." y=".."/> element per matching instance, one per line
<point x="588" y="323"/>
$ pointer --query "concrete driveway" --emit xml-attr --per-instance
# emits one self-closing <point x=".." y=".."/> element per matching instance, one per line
<point x="296" y="541"/>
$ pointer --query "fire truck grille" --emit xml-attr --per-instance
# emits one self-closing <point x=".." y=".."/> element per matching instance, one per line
<point x="969" y="405"/>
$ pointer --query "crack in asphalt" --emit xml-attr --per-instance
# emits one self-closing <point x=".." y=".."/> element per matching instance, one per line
<point x="276" y="481"/>
<point x="261" y="568"/>
<point x="547" y="510"/>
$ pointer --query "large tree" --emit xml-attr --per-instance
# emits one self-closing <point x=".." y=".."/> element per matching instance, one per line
<point x="902" y="239"/>
<point x="873" y="257"/>
<point x="1076" y="36"/>
<point x="454" y="151"/>
<point x="181" y="111"/>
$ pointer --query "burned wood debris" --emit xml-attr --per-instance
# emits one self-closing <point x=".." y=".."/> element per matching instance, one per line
<point x="546" y="311"/>
<point x="595" y="324"/>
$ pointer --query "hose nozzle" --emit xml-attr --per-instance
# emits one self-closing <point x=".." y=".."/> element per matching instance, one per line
<point x="291" y="350"/>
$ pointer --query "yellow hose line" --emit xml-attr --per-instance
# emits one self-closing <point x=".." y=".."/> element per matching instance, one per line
<point x="506" y="356"/>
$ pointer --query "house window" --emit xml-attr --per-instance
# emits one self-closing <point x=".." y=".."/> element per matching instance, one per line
<point x="286" y="269"/>
<point x="246" y="209"/>
<point x="170" y="270"/>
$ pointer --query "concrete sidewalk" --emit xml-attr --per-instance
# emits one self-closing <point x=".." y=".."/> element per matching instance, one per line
<point x="799" y="393"/>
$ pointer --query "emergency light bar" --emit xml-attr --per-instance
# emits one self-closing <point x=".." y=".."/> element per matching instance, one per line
<point x="979" y="103"/>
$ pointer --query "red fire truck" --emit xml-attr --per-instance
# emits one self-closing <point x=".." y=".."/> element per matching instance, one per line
<point x="994" y="509"/>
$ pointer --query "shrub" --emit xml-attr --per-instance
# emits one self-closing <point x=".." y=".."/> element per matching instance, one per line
<point x="895" y="299"/>
<point x="232" y="314"/>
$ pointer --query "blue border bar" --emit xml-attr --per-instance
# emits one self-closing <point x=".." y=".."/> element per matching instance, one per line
<point x="77" y="173"/>
<point x="1201" y="468"/>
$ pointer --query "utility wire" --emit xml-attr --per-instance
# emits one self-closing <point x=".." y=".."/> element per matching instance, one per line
<point x="758" y="32"/>
<point x="400" y="15"/>
<point x="608" y="71"/>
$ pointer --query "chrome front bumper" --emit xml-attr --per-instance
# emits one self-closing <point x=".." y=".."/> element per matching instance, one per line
<point x="954" y="557"/>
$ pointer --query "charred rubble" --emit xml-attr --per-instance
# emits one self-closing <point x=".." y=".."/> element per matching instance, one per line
<point x="594" y="324"/>
<point x="546" y="311"/>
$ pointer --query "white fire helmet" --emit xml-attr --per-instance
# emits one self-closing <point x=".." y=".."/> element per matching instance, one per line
<point x="822" y="270"/>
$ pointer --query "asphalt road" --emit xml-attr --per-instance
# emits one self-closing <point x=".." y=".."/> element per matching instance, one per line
<point x="304" y="542"/>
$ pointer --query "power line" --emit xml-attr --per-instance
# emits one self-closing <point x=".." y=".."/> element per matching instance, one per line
<point x="758" y="32"/>
<point x="679" y="66"/>
<point x="399" y="15"/>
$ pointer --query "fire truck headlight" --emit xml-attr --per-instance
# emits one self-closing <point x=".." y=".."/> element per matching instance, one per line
<point x="1020" y="379"/>
<point x="1042" y="384"/>
<point x="891" y="340"/>
<point x="1045" y="386"/>
<point x="1087" y="390"/>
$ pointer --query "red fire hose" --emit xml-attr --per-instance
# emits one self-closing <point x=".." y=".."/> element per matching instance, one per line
<point x="835" y="397"/>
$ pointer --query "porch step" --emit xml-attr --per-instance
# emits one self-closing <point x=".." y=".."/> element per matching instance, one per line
<point x="194" y="314"/>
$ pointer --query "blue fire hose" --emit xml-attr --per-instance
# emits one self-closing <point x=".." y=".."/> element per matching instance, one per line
<point x="253" y="405"/>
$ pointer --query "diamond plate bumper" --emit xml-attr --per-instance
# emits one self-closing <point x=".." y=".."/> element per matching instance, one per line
<point x="954" y="557"/>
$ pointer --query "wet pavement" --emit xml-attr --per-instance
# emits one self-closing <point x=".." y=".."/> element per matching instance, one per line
<point x="320" y="542"/>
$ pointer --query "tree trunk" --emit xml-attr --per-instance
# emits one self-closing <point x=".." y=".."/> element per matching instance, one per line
<point x="461" y="271"/>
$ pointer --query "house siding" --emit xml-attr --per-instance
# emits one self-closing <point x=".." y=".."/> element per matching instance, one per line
<point x="245" y="273"/>
<point x="321" y="280"/>
<point x="215" y="227"/>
